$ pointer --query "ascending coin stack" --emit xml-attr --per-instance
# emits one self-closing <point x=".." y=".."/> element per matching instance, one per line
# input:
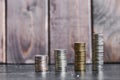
<point x="98" y="52"/>
<point x="80" y="56"/>
<point x="41" y="63"/>
<point x="60" y="60"/>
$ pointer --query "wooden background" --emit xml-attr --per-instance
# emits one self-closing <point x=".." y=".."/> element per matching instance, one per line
<point x="40" y="26"/>
<point x="26" y="30"/>
<point x="106" y="15"/>
<point x="2" y="31"/>
<point x="69" y="23"/>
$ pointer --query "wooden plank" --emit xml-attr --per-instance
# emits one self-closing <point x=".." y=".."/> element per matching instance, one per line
<point x="2" y="31"/>
<point x="107" y="21"/>
<point x="26" y="30"/>
<point x="69" y="23"/>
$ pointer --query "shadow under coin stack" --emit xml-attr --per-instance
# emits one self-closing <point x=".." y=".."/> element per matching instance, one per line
<point x="98" y="52"/>
<point x="60" y="60"/>
<point x="80" y="56"/>
<point x="41" y="63"/>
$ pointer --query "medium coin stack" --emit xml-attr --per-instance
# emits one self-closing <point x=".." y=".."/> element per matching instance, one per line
<point x="60" y="60"/>
<point x="80" y="56"/>
<point x="98" y="52"/>
<point x="41" y="63"/>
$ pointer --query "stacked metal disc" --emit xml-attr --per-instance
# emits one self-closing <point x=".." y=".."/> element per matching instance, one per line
<point x="98" y="52"/>
<point x="41" y="63"/>
<point x="60" y="60"/>
<point x="80" y="56"/>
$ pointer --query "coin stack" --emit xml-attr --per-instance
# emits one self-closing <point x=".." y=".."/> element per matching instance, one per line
<point x="98" y="52"/>
<point x="41" y="63"/>
<point x="60" y="60"/>
<point x="80" y="56"/>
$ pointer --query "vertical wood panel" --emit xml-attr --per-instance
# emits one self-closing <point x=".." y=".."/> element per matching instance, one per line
<point x="2" y="31"/>
<point x="107" y="21"/>
<point x="69" y="23"/>
<point x="27" y="30"/>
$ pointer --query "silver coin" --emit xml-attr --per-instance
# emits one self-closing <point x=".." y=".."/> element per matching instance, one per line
<point x="41" y="57"/>
<point x="41" y="63"/>
<point x="60" y="60"/>
<point x="98" y="35"/>
<point x="101" y="53"/>
<point x="100" y="58"/>
<point x="100" y="47"/>
<point x="98" y="43"/>
<point x="100" y="62"/>
<point x="99" y="50"/>
<point x="100" y="66"/>
<point x="61" y="57"/>
<point x="61" y="64"/>
<point x="60" y="52"/>
<point x="98" y="39"/>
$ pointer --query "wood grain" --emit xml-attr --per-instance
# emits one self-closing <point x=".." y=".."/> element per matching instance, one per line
<point x="2" y="32"/>
<point x="26" y="30"/>
<point x="69" y="23"/>
<point x="107" y="21"/>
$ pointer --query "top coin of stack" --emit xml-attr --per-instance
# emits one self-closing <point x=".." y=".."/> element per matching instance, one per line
<point x="60" y="60"/>
<point x="79" y="46"/>
<point x="80" y="56"/>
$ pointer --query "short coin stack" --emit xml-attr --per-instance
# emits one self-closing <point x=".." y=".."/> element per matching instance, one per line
<point x="98" y="52"/>
<point x="60" y="60"/>
<point x="80" y="56"/>
<point x="41" y="63"/>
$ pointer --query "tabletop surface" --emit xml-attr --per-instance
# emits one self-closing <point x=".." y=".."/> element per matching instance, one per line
<point x="26" y="72"/>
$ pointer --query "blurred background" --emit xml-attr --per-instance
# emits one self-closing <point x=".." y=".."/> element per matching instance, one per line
<point x="30" y="27"/>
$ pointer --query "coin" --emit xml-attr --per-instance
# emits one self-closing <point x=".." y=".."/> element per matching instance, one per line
<point x="80" y="68"/>
<point x="79" y="44"/>
<point x="60" y="69"/>
<point x="60" y="60"/>
<point x="80" y="56"/>
<point x="80" y="60"/>
<point x="41" y="63"/>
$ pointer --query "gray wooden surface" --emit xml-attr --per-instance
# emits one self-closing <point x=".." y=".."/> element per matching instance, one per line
<point x="2" y="31"/>
<point x="26" y="30"/>
<point x="69" y="23"/>
<point x="26" y="72"/>
<point x="107" y="21"/>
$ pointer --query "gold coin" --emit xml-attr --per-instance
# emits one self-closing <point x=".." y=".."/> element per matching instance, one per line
<point x="80" y="52"/>
<point x="80" y="61"/>
<point x="79" y="44"/>
<point x="80" y="68"/>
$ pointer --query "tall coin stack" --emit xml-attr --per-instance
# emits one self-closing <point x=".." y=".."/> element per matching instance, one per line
<point x="60" y="60"/>
<point x="80" y="56"/>
<point x="98" y="52"/>
<point x="41" y="63"/>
